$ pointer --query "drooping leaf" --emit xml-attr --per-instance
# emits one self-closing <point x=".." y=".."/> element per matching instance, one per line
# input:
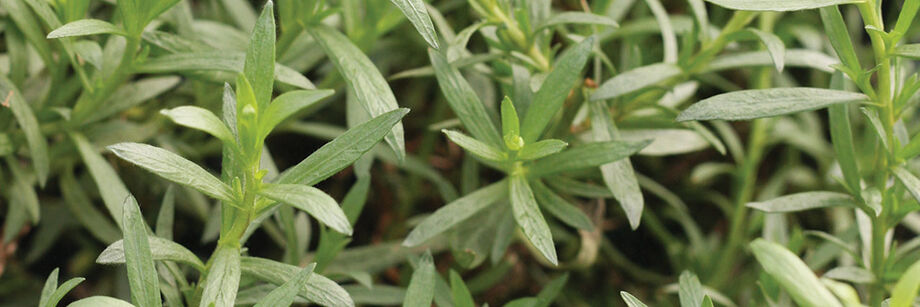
<point x="456" y="212"/>
<point x="417" y="13"/>
<point x="751" y="104"/>
<point x="111" y="188"/>
<point x="528" y="216"/>
<point x="160" y="250"/>
<point x="552" y="94"/>
<point x="223" y="279"/>
<point x="174" y="168"/>
<point x="775" y="47"/>
<point x="342" y="151"/>
<point x="142" y="275"/>
<point x="86" y="27"/>
<point x="422" y="284"/>
<point x="38" y="146"/>
<point x="619" y="176"/>
<point x="792" y="274"/>
<point x="370" y="88"/>
<point x="201" y="119"/>
<point x="311" y="200"/>
<point x="778" y="5"/>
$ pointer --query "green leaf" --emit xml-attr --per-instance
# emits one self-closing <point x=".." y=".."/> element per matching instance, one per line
<point x="201" y="119"/>
<point x="86" y="27"/>
<point x="631" y="301"/>
<point x="417" y="13"/>
<point x="223" y="279"/>
<point x="576" y="18"/>
<point x="421" y="287"/>
<point x="455" y="212"/>
<point x="289" y="104"/>
<point x="792" y="274"/>
<point x="100" y="301"/>
<point x="528" y="216"/>
<point x="459" y="292"/>
<point x="560" y="208"/>
<point x="779" y="5"/>
<point x="475" y="147"/>
<point x="111" y="188"/>
<point x="62" y="291"/>
<point x="840" y="39"/>
<point x="906" y="17"/>
<point x="876" y="122"/>
<point x="842" y="139"/>
<point x="690" y="290"/>
<point x="160" y="250"/>
<point x="50" y="285"/>
<point x="82" y="209"/>
<point x="586" y="156"/>
<point x="167" y="214"/>
<point x="619" y="176"/>
<point x="551" y="95"/>
<point x="22" y="196"/>
<point x="369" y="87"/>
<point x="38" y="146"/>
<point x="142" y="274"/>
<point x="551" y="291"/>
<point x="541" y="149"/>
<point x="311" y="200"/>
<point x="635" y="80"/>
<point x="464" y="101"/>
<point x="905" y="291"/>
<point x="287" y="292"/>
<point x="775" y="47"/>
<point x="805" y="201"/>
<point x="751" y="104"/>
<point x="511" y="125"/>
<point x="342" y="151"/>
<point x="259" y="67"/>
<point x="794" y="58"/>
<point x="174" y="168"/>
<point x="909" y="180"/>
<point x="318" y="289"/>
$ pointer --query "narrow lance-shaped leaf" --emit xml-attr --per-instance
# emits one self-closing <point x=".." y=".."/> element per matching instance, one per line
<point x="475" y="147"/>
<point x="577" y="18"/>
<point x="619" y="176"/>
<point x="840" y="39"/>
<point x="464" y="101"/>
<point x="51" y="283"/>
<point x="38" y="146"/>
<point x="541" y="149"/>
<point x="421" y="287"/>
<point x="842" y="139"/>
<point x="631" y="300"/>
<point x="86" y="27"/>
<point x="511" y="125"/>
<point x="417" y="13"/>
<point x="456" y="212"/>
<point x="775" y="47"/>
<point x="636" y="79"/>
<point x="342" y="151"/>
<point x="286" y="293"/>
<point x="370" y="88"/>
<point x="311" y="200"/>
<point x="160" y="250"/>
<point x="111" y="188"/>
<point x="223" y="279"/>
<point x="793" y="275"/>
<point x="201" y="119"/>
<point x="905" y="291"/>
<point x="318" y="289"/>
<point x="551" y="95"/>
<point x="172" y="167"/>
<point x="586" y="156"/>
<point x="289" y="104"/>
<point x="805" y="201"/>
<point x="690" y="290"/>
<point x="62" y="291"/>
<point x="260" y="57"/>
<point x="751" y="104"/>
<point x="909" y="180"/>
<point x="528" y="216"/>
<point x="778" y="5"/>
<point x="84" y="211"/>
<point x="560" y="208"/>
<point x="459" y="292"/>
<point x="96" y="301"/>
<point x="142" y="275"/>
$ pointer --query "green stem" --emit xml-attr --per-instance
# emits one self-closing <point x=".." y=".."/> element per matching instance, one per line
<point x="90" y="101"/>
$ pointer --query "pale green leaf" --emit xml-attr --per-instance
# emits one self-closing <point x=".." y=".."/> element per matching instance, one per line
<point x="528" y="216"/>
<point x="778" y="5"/>
<point x="86" y="27"/>
<point x="417" y="13"/>
<point x="284" y="295"/>
<point x="311" y="200"/>
<point x="160" y="250"/>
<point x="541" y="149"/>
<point x="805" y="201"/>
<point x="318" y="289"/>
<point x="586" y="156"/>
<point x="111" y="188"/>
<point x="174" y="168"/>
<point x="142" y="275"/>
<point x="421" y="287"/>
<point x="475" y="147"/>
<point x="905" y="291"/>
<point x="289" y="104"/>
<point x="751" y="104"/>
<point x="38" y="146"/>
<point x="223" y="279"/>
<point x="577" y="18"/>
<point x="631" y="301"/>
<point x="793" y="275"/>
<point x="100" y="301"/>
<point x="635" y="80"/>
<point x="556" y="87"/>
<point x="259" y="66"/>
<point x="560" y="208"/>
<point x="456" y="212"/>
<point x="201" y="119"/>
<point x="464" y="101"/>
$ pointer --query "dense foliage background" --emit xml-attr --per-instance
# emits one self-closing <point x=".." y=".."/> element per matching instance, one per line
<point x="607" y="146"/>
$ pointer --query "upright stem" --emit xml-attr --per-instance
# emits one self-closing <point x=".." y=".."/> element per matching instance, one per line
<point x="871" y="17"/>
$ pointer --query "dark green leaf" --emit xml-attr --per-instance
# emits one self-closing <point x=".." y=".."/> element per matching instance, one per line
<point x="142" y="275"/>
